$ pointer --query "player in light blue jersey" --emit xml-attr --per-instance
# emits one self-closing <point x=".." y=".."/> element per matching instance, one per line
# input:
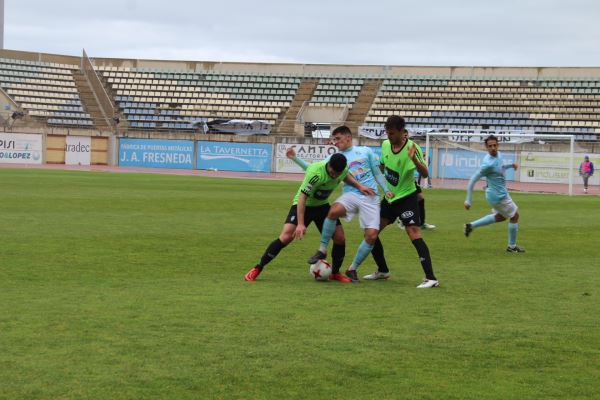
<point x="364" y="167"/>
<point x="503" y="207"/>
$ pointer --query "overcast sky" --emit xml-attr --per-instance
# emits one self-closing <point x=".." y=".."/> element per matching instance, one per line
<point x="394" y="32"/>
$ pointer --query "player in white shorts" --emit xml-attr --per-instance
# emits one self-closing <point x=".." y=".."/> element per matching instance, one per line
<point x="496" y="194"/>
<point x="364" y="167"/>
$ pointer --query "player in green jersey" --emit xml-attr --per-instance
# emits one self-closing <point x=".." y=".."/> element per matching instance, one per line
<point x="310" y="205"/>
<point x="400" y="156"/>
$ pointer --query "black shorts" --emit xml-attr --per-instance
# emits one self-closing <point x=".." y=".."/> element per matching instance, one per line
<point x="419" y="190"/>
<point x="406" y="208"/>
<point x="316" y="214"/>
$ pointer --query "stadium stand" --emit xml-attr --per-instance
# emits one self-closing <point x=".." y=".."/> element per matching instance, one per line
<point x="174" y="96"/>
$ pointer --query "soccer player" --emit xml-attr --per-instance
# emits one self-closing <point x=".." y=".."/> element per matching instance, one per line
<point x="310" y="205"/>
<point x="503" y="207"/>
<point x="363" y="166"/>
<point x="586" y="169"/>
<point x="400" y="157"/>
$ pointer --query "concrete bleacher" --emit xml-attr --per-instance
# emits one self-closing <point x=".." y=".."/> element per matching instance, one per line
<point x="545" y="106"/>
<point x="171" y="99"/>
<point x="44" y="90"/>
<point x="170" y="96"/>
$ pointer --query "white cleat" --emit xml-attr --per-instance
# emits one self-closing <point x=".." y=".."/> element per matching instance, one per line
<point x="376" y="276"/>
<point x="428" y="226"/>
<point x="428" y="283"/>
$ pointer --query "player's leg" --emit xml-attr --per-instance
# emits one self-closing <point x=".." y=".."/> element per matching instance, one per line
<point x="369" y="216"/>
<point x="336" y="211"/>
<point x="585" y="182"/>
<point x="338" y="250"/>
<point x="273" y="249"/>
<point x="409" y="213"/>
<point x="483" y="221"/>
<point x="387" y="216"/>
<point x="509" y="210"/>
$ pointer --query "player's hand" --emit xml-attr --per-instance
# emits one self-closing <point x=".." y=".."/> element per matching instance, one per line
<point x="389" y="195"/>
<point x="467" y="205"/>
<point x="516" y="166"/>
<point x="299" y="232"/>
<point x="290" y="152"/>
<point x="366" y="190"/>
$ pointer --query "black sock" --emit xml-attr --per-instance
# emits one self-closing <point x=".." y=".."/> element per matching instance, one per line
<point x="423" y="252"/>
<point x="272" y="250"/>
<point x="422" y="210"/>
<point x="337" y="257"/>
<point x="378" y="256"/>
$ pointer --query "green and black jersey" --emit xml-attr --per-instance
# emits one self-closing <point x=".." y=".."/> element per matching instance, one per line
<point x="317" y="184"/>
<point x="399" y="169"/>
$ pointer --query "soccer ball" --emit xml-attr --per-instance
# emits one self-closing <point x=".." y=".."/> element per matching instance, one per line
<point x="320" y="270"/>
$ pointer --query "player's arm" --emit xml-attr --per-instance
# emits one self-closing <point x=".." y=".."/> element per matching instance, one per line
<point x="291" y="154"/>
<point x="514" y="166"/>
<point x="300" y="210"/>
<point x="470" y="187"/>
<point x="379" y="178"/>
<point x="415" y="154"/>
<point x="351" y="180"/>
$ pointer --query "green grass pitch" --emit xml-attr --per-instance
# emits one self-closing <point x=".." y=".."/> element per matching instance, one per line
<point x="130" y="286"/>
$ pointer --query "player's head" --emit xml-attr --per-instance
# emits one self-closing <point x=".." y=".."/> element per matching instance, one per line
<point x="394" y="127"/>
<point x="586" y="158"/>
<point x="491" y="144"/>
<point x="341" y="137"/>
<point x="336" y="165"/>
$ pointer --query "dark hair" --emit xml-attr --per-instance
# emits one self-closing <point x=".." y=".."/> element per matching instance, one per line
<point x="343" y="129"/>
<point x="338" y="162"/>
<point x="395" y="122"/>
<point x="491" y="137"/>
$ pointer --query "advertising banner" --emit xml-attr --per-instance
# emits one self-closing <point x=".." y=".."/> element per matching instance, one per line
<point x="78" y="150"/>
<point x="307" y="152"/>
<point x="156" y="153"/>
<point x="229" y="156"/>
<point x="543" y="167"/>
<point x="462" y="164"/>
<point x="18" y="148"/>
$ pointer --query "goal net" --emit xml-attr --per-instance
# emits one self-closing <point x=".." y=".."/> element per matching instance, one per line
<point x="547" y="163"/>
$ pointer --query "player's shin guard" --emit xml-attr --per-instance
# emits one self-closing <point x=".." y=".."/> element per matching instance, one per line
<point x="272" y="250"/>
<point x="425" y="258"/>
<point x="487" y="220"/>
<point x="379" y="257"/>
<point x="363" y="251"/>
<point x="337" y="257"/>
<point x="513" y="229"/>
<point x="327" y="233"/>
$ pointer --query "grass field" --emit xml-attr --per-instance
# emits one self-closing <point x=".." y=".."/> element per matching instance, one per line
<point x="129" y="286"/>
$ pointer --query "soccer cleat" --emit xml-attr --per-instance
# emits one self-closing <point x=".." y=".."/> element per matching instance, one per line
<point x="515" y="249"/>
<point x="319" y="255"/>
<point x="428" y="283"/>
<point x="428" y="226"/>
<point x="252" y="274"/>
<point x="468" y="229"/>
<point x="339" y="277"/>
<point x="351" y="273"/>
<point x="377" y="276"/>
<point x="585" y="190"/>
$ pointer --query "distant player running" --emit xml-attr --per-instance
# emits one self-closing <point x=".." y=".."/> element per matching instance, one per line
<point x="496" y="194"/>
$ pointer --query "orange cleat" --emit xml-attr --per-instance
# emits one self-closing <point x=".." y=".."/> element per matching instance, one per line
<point x="252" y="274"/>
<point x="339" y="277"/>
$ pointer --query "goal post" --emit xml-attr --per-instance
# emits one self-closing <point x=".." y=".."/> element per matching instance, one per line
<point x="546" y="162"/>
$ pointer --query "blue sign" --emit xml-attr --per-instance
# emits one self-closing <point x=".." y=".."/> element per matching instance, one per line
<point x="229" y="156"/>
<point x="156" y="153"/>
<point x="462" y="164"/>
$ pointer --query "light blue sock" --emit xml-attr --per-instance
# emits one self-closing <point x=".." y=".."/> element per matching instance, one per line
<point x="327" y="233"/>
<point x="488" y="219"/>
<point x="513" y="229"/>
<point x="363" y="251"/>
